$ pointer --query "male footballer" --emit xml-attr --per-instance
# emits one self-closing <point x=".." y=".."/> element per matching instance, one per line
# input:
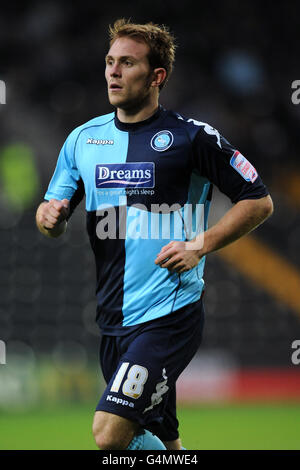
<point x="142" y="169"/>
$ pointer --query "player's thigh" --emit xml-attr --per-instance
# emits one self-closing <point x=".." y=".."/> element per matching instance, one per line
<point x="128" y="392"/>
<point x="146" y="372"/>
<point x="112" y="431"/>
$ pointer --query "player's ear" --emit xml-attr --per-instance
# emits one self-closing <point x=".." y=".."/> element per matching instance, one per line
<point x="160" y="75"/>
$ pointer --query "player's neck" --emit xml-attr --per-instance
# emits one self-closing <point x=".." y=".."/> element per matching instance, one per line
<point x="137" y="114"/>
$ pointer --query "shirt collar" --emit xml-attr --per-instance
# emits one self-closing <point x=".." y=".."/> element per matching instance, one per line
<point x="134" y="126"/>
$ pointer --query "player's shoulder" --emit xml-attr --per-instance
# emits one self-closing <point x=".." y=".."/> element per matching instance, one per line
<point x="94" y="122"/>
<point x="194" y="127"/>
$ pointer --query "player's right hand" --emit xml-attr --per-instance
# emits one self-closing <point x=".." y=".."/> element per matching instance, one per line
<point x="53" y="213"/>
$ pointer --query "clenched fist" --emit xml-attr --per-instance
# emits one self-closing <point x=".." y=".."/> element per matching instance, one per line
<point x="50" y="215"/>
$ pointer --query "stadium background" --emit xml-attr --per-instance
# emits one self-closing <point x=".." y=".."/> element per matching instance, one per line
<point x="236" y="62"/>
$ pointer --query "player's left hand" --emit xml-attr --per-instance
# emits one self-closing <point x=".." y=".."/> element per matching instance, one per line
<point x="178" y="257"/>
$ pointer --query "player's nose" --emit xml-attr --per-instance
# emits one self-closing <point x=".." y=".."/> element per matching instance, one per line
<point x="115" y="70"/>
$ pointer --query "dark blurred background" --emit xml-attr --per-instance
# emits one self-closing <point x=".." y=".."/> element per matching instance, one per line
<point x="235" y="65"/>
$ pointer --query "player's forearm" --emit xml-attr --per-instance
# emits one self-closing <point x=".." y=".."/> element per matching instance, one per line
<point x="241" y="219"/>
<point x="54" y="232"/>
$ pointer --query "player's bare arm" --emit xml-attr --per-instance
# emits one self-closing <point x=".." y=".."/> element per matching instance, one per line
<point x="241" y="219"/>
<point x="51" y="217"/>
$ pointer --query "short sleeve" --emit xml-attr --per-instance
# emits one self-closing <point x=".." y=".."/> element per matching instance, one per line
<point x="64" y="181"/>
<point x="223" y="165"/>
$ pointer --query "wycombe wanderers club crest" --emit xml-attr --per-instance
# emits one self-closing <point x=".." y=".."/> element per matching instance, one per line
<point x="162" y="141"/>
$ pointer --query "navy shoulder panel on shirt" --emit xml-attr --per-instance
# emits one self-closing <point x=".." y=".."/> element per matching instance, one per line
<point x="193" y="127"/>
<point x="221" y="163"/>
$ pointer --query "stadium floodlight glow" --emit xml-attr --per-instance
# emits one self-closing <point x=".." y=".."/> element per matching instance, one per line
<point x="2" y="92"/>
<point x="2" y="352"/>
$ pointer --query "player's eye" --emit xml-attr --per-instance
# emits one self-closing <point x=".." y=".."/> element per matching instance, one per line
<point x="128" y="63"/>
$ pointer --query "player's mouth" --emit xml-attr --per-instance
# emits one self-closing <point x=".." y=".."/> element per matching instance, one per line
<point x="115" y="87"/>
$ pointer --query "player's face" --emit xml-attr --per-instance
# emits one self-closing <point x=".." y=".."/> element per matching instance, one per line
<point x="128" y="73"/>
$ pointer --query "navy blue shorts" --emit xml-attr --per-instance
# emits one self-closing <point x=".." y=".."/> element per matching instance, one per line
<point x="141" y="369"/>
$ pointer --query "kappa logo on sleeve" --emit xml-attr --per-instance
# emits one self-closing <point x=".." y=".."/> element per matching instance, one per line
<point x="243" y="167"/>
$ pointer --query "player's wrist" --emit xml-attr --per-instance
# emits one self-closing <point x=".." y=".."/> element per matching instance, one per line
<point x="197" y="246"/>
<point x="42" y="221"/>
<point x="52" y="232"/>
<point x="57" y="230"/>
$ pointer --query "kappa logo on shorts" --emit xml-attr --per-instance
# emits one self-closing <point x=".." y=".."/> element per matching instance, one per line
<point x="162" y="140"/>
<point x="120" y="401"/>
<point x="243" y="167"/>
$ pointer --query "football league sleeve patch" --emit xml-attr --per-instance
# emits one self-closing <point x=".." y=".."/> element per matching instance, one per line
<point x="243" y="167"/>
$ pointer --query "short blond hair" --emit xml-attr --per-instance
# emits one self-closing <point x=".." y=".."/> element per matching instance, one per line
<point x="158" y="37"/>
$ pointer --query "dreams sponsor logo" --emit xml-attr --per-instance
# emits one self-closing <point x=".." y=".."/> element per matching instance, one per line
<point x="120" y="175"/>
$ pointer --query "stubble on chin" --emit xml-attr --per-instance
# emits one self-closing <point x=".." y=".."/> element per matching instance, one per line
<point x="130" y="104"/>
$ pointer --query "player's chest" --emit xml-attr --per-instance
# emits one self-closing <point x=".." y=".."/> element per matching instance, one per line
<point x="115" y="159"/>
